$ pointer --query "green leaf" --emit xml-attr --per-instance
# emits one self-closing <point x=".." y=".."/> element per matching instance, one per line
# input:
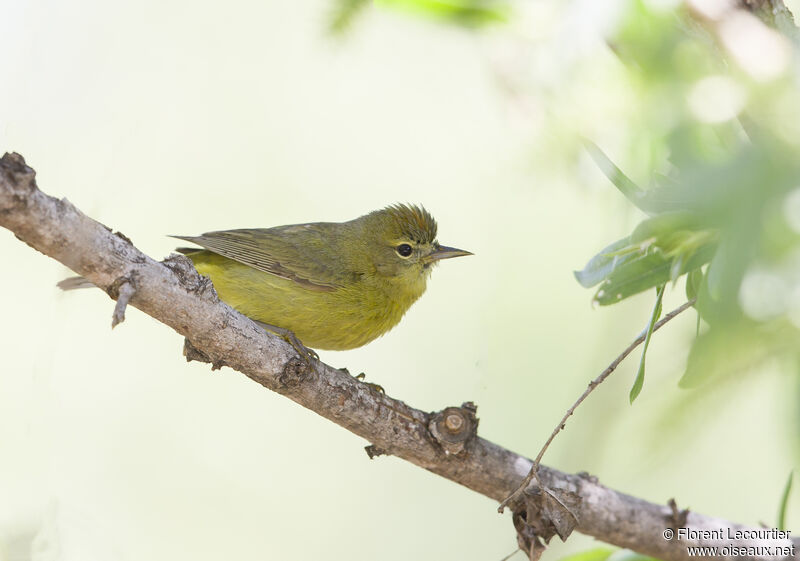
<point x="693" y="281"/>
<point x="677" y="234"/>
<point x="663" y="226"/>
<point x="646" y="271"/>
<point x="635" y="276"/>
<point x="728" y="349"/>
<point x="639" y="382"/>
<point x="784" y="502"/>
<point x="601" y="265"/>
<point x="467" y="13"/>
<point x="660" y="250"/>
<point x="675" y="269"/>
<point x="597" y="554"/>
<point x="621" y="181"/>
<point x="343" y="14"/>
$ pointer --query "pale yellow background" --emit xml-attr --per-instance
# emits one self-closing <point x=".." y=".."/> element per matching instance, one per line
<point x="182" y="117"/>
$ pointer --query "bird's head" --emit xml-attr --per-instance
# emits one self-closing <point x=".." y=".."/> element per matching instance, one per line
<point x="402" y="244"/>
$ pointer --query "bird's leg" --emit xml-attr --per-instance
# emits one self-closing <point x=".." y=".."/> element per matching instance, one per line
<point x="289" y="336"/>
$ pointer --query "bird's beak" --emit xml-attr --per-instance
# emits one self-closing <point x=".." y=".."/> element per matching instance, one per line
<point x="444" y="252"/>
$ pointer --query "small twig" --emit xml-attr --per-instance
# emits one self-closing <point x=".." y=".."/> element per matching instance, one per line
<point x="374" y="451"/>
<point x="510" y="555"/>
<point x="125" y="291"/>
<point x="534" y="471"/>
<point x="678" y="516"/>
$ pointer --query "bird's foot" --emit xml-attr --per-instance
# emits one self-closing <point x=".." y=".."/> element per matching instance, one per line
<point x="289" y="336"/>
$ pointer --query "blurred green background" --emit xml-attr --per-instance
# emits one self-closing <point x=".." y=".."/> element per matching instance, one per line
<point x="178" y="117"/>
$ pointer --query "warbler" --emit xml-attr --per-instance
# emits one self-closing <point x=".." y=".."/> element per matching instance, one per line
<point x="335" y="286"/>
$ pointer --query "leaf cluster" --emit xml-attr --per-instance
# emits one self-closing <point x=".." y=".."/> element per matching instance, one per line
<point x="464" y="13"/>
<point x="722" y="209"/>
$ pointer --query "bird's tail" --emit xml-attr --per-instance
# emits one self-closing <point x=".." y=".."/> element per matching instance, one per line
<point x="73" y="283"/>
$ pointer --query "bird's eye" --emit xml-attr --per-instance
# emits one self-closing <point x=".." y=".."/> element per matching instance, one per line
<point x="404" y="250"/>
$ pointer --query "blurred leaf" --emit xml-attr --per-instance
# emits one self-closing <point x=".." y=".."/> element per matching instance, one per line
<point x="693" y="281"/>
<point x="597" y="554"/>
<point x="675" y="269"/>
<point x="639" y="381"/>
<point x="734" y="348"/>
<point x="615" y="175"/>
<point x="663" y="226"/>
<point x="601" y="265"/>
<point x="467" y="13"/>
<point x="785" y="502"/>
<point x="706" y="307"/>
<point x="677" y="235"/>
<point x="714" y="353"/>
<point x="344" y="13"/>
<point x="724" y="277"/>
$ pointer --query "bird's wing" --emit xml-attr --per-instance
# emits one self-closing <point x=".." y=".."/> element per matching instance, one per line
<point x="307" y="254"/>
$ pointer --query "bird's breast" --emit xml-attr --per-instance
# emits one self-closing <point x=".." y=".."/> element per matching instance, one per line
<point x="347" y="317"/>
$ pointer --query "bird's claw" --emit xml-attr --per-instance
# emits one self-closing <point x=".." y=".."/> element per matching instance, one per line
<point x="302" y="350"/>
<point x="289" y="336"/>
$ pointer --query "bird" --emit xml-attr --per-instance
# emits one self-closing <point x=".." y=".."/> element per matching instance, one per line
<point x="323" y="285"/>
<point x="335" y="286"/>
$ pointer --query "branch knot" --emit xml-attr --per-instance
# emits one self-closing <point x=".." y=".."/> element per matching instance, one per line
<point x="454" y="427"/>
<point x="294" y="372"/>
<point x="18" y="175"/>
<point x="183" y="268"/>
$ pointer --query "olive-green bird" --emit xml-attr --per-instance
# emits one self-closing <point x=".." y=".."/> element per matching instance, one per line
<point x="335" y="286"/>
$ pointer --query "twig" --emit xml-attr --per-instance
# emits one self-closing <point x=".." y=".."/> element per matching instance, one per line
<point x="125" y="290"/>
<point x="534" y="471"/>
<point x="510" y="555"/>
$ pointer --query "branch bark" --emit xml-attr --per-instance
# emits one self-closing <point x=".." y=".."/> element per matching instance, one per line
<point x="444" y="443"/>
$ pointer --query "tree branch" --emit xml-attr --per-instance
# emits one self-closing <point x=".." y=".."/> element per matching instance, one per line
<point x="444" y="443"/>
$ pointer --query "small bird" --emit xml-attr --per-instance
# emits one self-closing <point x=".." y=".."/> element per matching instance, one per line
<point x="336" y="286"/>
<point x="333" y="286"/>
